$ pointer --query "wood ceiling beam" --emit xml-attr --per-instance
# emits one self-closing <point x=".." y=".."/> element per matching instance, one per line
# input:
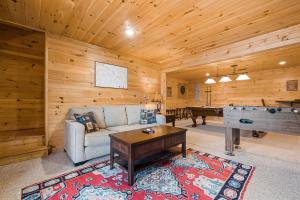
<point x="268" y="41"/>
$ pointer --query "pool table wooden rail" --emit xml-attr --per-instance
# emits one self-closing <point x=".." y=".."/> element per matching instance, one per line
<point x="202" y="111"/>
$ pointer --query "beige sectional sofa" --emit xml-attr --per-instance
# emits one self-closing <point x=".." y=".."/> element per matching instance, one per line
<point x="81" y="147"/>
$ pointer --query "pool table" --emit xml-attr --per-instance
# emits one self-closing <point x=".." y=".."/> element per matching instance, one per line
<point x="202" y="111"/>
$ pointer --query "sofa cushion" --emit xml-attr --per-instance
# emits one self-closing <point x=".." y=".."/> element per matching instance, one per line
<point x="98" y="111"/>
<point x="133" y="113"/>
<point x="88" y="120"/>
<point x="115" y="115"/>
<point x="98" y="138"/>
<point x="147" y="116"/>
<point x="130" y="127"/>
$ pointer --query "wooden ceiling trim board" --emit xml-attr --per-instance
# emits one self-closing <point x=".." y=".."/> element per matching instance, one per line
<point x="21" y="26"/>
<point x="276" y="39"/>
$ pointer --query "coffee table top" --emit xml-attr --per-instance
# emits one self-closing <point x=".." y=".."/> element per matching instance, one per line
<point x="137" y="136"/>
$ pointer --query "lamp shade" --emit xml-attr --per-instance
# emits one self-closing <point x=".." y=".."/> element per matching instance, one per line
<point x="242" y="77"/>
<point x="225" y="79"/>
<point x="210" y="81"/>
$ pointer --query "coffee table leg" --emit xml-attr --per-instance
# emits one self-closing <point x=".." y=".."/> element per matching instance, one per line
<point x="183" y="149"/>
<point x="111" y="156"/>
<point x="130" y="171"/>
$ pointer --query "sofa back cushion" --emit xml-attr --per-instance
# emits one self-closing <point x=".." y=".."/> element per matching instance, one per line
<point x="115" y="115"/>
<point x="98" y="111"/>
<point x="133" y="113"/>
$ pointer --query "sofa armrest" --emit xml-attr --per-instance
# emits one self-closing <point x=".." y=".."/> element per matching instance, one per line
<point x="74" y="140"/>
<point x="160" y="119"/>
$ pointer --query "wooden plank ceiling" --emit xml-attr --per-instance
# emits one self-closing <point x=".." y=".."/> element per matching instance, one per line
<point x="166" y="30"/>
<point x="252" y="63"/>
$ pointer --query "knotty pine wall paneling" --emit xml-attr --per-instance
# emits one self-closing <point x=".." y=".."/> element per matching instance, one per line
<point x="22" y="106"/>
<point x="174" y="101"/>
<point x="269" y="85"/>
<point x="71" y="81"/>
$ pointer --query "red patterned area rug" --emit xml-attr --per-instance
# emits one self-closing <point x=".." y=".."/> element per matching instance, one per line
<point x="199" y="176"/>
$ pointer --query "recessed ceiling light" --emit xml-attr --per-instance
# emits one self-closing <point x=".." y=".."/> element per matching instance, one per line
<point x="282" y="63"/>
<point x="207" y="74"/>
<point x="129" y="31"/>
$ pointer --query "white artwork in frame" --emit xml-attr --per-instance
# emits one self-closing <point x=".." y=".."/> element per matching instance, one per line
<point x="111" y="76"/>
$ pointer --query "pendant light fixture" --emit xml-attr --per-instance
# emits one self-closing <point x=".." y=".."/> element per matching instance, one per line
<point x="225" y="79"/>
<point x="242" y="77"/>
<point x="210" y="81"/>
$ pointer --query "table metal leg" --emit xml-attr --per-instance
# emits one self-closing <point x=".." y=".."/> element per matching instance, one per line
<point x="229" y="141"/>
<point x="236" y="137"/>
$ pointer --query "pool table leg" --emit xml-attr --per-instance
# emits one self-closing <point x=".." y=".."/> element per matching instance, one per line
<point x="203" y="120"/>
<point x="194" y="121"/>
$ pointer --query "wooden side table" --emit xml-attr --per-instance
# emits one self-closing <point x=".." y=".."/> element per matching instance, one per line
<point x="170" y="119"/>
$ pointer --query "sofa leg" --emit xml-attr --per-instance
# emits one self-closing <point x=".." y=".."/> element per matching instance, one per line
<point x="79" y="163"/>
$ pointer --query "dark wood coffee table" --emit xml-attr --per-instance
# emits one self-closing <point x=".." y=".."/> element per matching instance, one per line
<point x="134" y="146"/>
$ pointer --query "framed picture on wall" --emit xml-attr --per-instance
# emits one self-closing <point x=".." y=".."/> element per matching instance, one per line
<point x="182" y="90"/>
<point x="111" y="76"/>
<point x="292" y="85"/>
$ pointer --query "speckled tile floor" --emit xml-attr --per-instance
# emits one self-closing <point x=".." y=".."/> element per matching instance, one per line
<point x="275" y="156"/>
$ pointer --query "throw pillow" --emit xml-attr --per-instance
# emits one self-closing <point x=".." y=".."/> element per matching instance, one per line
<point x="88" y="120"/>
<point x="147" y="116"/>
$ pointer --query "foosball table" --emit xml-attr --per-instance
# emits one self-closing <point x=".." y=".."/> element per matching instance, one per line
<point x="274" y="119"/>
